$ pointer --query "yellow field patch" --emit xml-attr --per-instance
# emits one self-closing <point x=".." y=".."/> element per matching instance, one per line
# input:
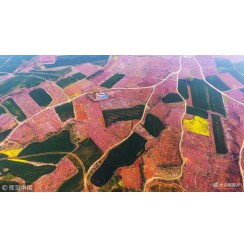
<point x="19" y="160"/>
<point x="11" y="152"/>
<point x="120" y="183"/>
<point x="115" y="58"/>
<point x="197" y="125"/>
<point x="74" y="95"/>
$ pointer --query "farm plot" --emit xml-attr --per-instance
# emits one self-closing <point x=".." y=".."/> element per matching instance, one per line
<point x="218" y="134"/>
<point x="26" y="171"/>
<point x="224" y="65"/>
<point x="14" y="109"/>
<point x="122" y="114"/>
<point x="14" y="62"/>
<point x="52" y="150"/>
<point x="2" y="110"/>
<point x="197" y="112"/>
<point x="41" y="97"/>
<point x="19" y="81"/>
<point x="123" y="155"/>
<point x="109" y="83"/>
<point x="153" y="125"/>
<point x="4" y="134"/>
<point x="183" y="88"/>
<point x="70" y="80"/>
<point x="172" y="98"/>
<point x="217" y="83"/>
<point x="88" y="152"/>
<point x="65" y="111"/>
<point x="74" y="60"/>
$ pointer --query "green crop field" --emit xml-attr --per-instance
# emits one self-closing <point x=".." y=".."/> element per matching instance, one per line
<point x="14" y="62"/>
<point x="70" y="80"/>
<point x="99" y="72"/>
<point x="58" y="72"/>
<point x="75" y="183"/>
<point x="112" y="80"/>
<point x="41" y="76"/>
<point x="216" y="101"/>
<point x="123" y="155"/>
<point x="56" y="143"/>
<point x="196" y="112"/>
<point x="240" y="67"/>
<point x="199" y="92"/>
<point x="72" y="60"/>
<point x="224" y="65"/>
<point x="66" y="82"/>
<point x="14" y="109"/>
<point x="205" y="97"/>
<point x="28" y="172"/>
<point x="41" y="97"/>
<point x="19" y="81"/>
<point x="153" y="125"/>
<point x="3" y="59"/>
<point x="88" y="152"/>
<point x="122" y="114"/>
<point x="183" y="88"/>
<point x="2" y="110"/>
<point x="218" y="134"/>
<point x="79" y="76"/>
<point x="237" y="76"/>
<point x="172" y="98"/>
<point x="65" y="111"/>
<point x="4" y="134"/>
<point x="217" y="83"/>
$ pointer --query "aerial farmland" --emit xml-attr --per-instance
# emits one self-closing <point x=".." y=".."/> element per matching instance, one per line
<point x="111" y="123"/>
